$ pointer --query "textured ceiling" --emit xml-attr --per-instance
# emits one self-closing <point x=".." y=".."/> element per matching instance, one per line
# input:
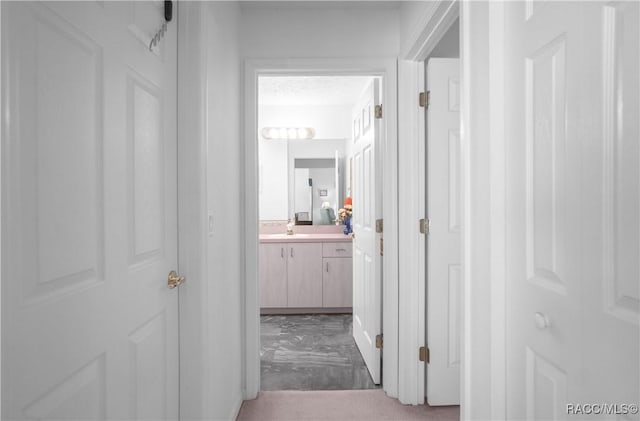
<point x="322" y="4"/>
<point x="311" y="90"/>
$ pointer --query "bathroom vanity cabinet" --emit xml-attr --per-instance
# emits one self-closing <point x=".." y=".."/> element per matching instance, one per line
<point x="273" y="275"/>
<point x="337" y="275"/>
<point x="305" y="276"/>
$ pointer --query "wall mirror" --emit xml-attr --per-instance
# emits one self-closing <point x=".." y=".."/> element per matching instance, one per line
<point x="300" y="182"/>
<point x="315" y="191"/>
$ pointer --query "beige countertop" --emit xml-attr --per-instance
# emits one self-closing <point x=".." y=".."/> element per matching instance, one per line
<point x="305" y="238"/>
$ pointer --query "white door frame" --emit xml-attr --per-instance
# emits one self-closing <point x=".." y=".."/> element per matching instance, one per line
<point x="375" y="67"/>
<point x="432" y="26"/>
<point x="483" y="327"/>
<point x="484" y="199"/>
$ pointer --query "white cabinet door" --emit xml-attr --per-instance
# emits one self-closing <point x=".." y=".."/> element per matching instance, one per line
<point x="89" y="327"/>
<point x="273" y="275"/>
<point x="304" y="270"/>
<point x="337" y="282"/>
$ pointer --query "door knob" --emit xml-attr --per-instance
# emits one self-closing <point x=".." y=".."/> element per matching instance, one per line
<point x="175" y="280"/>
<point x="542" y="322"/>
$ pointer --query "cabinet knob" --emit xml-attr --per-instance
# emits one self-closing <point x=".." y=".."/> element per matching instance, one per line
<point x="327" y="267"/>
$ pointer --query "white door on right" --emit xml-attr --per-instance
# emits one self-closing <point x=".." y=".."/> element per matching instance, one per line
<point x="443" y="248"/>
<point x="573" y="209"/>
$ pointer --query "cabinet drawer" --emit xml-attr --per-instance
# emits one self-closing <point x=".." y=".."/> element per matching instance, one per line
<point x="337" y="249"/>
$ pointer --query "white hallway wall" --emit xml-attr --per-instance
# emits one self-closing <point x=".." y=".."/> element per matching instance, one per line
<point x="209" y="156"/>
<point x="308" y="32"/>
<point x="224" y="193"/>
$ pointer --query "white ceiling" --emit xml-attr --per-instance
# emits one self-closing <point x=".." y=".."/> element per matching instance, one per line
<point x="320" y="4"/>
<point x="311" y="90"/>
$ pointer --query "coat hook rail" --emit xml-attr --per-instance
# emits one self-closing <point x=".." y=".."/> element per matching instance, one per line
<point x="168" y="15"/>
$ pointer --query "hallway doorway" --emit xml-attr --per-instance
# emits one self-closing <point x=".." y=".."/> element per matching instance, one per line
<point x="310" y="132"/>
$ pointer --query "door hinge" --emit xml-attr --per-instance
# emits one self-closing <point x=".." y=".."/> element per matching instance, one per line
<point x="427" y="100"/>
<point x="382" y="247"/>
<point x="423" y="354"/>
<point x="378" y="111"/>
<point x="422" y="99"/>
<point x="379" y="341"/>
<point x="378" y="225"/>
<point x="425" y="226"/>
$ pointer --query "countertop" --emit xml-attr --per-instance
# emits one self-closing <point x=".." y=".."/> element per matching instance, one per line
<point x="305" y="238"/>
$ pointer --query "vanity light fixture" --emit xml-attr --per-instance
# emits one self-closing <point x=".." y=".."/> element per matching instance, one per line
<point x="285" y="133"/>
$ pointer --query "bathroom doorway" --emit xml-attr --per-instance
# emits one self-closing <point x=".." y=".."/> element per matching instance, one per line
<point x="308" y="128"/>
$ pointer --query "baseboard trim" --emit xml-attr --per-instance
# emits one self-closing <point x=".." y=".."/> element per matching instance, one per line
<point x="235" y="409"/>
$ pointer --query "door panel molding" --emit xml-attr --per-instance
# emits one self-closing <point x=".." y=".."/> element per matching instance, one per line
<point x="620" y="230"/>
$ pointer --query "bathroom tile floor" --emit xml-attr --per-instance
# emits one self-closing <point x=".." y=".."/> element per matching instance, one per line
<point x="311" y="352"/>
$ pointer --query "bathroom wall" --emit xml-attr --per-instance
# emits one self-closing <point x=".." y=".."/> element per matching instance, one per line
<point x="273" y="173"/>
<point x="329" y="121"/>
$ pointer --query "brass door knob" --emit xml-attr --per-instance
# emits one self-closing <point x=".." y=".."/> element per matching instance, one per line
<point x="175" y="280"/>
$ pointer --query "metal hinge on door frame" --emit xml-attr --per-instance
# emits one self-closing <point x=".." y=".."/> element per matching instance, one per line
<point x="425" y="226"/>
<point x="424" y="98"/>
<point x="382" y="247"/>
<point x="378" y="111"/>
<point x="379" y="226"/>
<point x="379" y="341"/>
<point x="423" y="354"/>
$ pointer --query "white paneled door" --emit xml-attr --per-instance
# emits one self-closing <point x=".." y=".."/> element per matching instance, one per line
<point x="573" y="208"/>
<point x="89" y="326"/>
<point x="443" y="250"/>
<point x="367" y="300"/>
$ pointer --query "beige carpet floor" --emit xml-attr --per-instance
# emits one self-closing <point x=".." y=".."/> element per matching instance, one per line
<point x="339" y="405"/>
